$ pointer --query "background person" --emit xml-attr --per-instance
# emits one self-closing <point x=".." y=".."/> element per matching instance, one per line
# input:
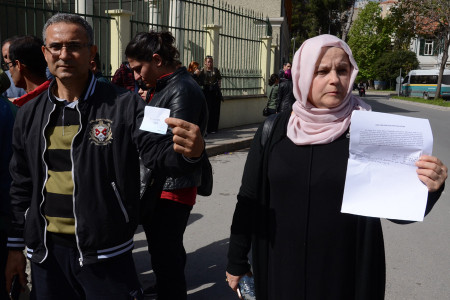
<point x="285" y="93"/>
<point x="288" y="208"/>
<point x="286" y="66"/>
<point x="12" y="92"/>
<point x="272" y="93"/>
<point x="168" y="201"/>
<point x="194" y="70"/>
<point x="210" y="78"/>
<point x="28" y="67"/>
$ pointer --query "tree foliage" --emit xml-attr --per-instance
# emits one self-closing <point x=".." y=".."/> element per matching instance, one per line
<point x="315" y="17"/>
<point x="369" y="38"/>
<point x="430" y="18"/>
<point x="387" y="67"/>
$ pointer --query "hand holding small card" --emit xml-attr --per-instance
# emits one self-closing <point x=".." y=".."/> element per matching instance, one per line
<point x="154" y="119"/>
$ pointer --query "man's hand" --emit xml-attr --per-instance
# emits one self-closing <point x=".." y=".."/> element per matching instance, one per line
<point x="187" y="138"/>
<point x="15" y="265"/>
<point x="431" y="171"/>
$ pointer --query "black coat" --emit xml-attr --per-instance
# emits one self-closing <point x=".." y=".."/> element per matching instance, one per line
<point x="302" y="246"/>
<point x="285" y="96"/>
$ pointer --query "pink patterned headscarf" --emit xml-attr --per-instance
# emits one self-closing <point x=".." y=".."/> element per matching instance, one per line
<point x="308" y="124"/>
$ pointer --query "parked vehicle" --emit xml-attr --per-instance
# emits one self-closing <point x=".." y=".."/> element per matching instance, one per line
<point x="423" y="83"/>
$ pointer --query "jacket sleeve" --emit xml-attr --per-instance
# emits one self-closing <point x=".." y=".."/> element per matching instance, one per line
<point x="6" y="128"/>
<point x="21" y="187"/>
<point x="156" y="150"/>
<point x="243" y="225"/>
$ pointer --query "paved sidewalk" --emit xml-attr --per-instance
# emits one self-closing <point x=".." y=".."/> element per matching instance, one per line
<point x="230" y="139"/>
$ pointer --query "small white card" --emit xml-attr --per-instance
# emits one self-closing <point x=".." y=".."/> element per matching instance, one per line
<point x="154" y="119"/>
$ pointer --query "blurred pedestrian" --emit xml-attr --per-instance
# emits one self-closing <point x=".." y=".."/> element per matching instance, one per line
<point x="124" y="77"/>
<point x="286" y="66"/>
<point x="210" y="78"/>
<point x="272" y="93"/>
<point x="285" y="93"/>
<point x="96" y="68"/>
<point x="194" y="70"/>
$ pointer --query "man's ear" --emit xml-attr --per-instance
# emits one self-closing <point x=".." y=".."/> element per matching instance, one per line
<point x="20" y="66"/>
<point x="93" y="51"/>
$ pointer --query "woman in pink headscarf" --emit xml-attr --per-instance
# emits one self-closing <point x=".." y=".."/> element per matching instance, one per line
<point x="288" y="209"/>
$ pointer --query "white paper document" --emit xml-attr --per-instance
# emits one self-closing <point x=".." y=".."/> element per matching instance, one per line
<point x="154" y="119"/>
<point x="381" y="175"/>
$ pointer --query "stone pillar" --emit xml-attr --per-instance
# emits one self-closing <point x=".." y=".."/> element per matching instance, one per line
<point x="120" y="35"/>
<point x="212" y="40"/>
<point x="273" y="51"/>
<point x="264" y="54"/>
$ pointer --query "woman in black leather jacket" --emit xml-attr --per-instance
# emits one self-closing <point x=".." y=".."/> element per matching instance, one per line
<point x="285" y="93"/>
<point x="167" y="202"/>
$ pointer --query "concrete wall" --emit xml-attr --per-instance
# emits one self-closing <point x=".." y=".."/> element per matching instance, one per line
<point x="241" y="111"/>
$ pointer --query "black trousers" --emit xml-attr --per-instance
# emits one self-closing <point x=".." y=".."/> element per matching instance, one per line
<point x="60" y="276"/>
<point x="213" y="101"/>
<point x="164" y="235"/>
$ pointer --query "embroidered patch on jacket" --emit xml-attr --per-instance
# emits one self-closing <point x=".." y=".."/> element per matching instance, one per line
<point x="100" y="131"/>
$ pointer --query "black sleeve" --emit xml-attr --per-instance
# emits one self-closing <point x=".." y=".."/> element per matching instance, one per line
<point x="242" y="226"/>
<point x="156" y="150"/>
<point x="22" y="184"/>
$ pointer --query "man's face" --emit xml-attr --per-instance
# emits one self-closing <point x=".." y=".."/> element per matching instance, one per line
<point x="67" y="51"/>
<point x="287" y="67"/>
<point x="5" y="51"/>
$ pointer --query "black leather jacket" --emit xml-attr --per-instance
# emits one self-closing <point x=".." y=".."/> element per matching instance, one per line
<point x="180" y="93"/>
<point x="285" y="96"/>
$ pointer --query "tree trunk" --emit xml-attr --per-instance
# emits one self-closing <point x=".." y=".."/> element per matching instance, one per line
<point x="443" y="62"/>
<point x="349" y="22"/>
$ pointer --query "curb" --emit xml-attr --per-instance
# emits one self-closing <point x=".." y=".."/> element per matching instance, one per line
<point x="213" y="150"/>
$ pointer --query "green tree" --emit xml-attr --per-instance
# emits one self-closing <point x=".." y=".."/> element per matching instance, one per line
<point x="311" y="18"/>
<point x="388" y="65"/>
<point x="430" y="19"/>
<point x="369" y="38"/>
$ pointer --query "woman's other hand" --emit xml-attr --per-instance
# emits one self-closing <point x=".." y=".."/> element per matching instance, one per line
<point x="431" y="171"/>
<point x="233" y="281"/>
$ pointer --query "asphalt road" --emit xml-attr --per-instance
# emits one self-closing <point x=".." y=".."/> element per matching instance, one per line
<point x="418" y="260"/>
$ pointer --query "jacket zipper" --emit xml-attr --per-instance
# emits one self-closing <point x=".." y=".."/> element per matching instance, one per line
<point x="44" y="183"/>
<point x="119" y="199"/>
<point x="74" y="187"/>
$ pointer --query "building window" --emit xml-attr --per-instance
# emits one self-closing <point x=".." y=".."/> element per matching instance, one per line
<point x="428" y="49"/>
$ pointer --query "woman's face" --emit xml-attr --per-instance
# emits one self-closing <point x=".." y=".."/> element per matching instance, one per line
<point x="209" y="63"/>
<point x="331" y="78"/>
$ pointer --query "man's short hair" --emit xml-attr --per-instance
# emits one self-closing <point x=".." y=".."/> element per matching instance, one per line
<point x="285" y="64"/>
<point x="27" y="50"/>
<point x="145" y="44"/>
<point x="70" y="19"/>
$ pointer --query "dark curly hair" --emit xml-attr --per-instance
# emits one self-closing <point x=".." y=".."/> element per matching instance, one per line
<point x="145" y="44"/>
<point x="273" y="78"/>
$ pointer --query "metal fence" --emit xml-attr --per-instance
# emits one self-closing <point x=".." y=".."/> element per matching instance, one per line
<point x="239" y="38"/>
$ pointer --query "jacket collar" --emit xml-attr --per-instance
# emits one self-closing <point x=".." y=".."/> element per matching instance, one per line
<point x="89" y="89"/>
<point x="164" y="81"/>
